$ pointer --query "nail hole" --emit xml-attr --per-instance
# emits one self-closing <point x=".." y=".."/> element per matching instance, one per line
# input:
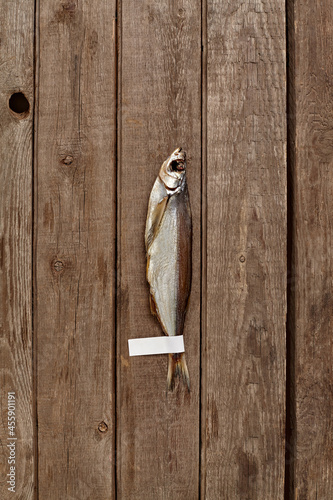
<point x="19" y="104"/>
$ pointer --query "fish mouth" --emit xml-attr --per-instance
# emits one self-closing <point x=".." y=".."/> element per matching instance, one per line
<point x="178" y="163"/>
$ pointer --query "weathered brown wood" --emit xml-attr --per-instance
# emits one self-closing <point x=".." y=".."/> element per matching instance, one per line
<point x="313" y="267"/>
<point x="246" y="251"/>
<point x="158" y="433"/>
<point x="75" y="249"/>
<point x="16" y="75"/>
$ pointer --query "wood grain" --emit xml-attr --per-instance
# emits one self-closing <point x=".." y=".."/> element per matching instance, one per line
<point x="16" y="75"/>
<point x="160" y="78"/>
<point x="313" y="265"/>
<point x="230" y="116"/>
<point x="75" y="249"/>
<point x="243" y="442"/>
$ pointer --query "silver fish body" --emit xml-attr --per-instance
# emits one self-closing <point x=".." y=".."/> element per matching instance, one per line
<point x="168" y="239"/>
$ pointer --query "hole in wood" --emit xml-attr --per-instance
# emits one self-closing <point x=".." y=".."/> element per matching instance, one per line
<point x="19" y="104"/>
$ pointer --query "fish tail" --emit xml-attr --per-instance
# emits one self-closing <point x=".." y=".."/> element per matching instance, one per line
<point x="177" y="368"/>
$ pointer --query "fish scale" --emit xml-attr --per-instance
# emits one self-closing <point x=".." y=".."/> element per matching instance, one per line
<point x="163" y="271"/>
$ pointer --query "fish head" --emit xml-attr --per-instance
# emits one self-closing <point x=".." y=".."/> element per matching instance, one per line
<point x="173" y="170"/>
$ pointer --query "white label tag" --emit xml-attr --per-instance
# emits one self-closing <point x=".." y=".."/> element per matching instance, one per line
<point x="156" y="345"/>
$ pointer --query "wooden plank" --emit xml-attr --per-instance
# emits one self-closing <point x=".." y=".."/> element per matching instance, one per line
<point x="158" y="433"/>
<point x="243" y="435"/>
<point x="313" y="265"/>
<point x="75" y="249"/>
<point x="16" y="76"/>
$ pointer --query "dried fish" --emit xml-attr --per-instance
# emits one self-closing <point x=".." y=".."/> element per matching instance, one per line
<point x="168" y="239"/>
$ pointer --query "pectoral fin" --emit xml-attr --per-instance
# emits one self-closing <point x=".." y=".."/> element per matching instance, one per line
<point x="155" y="219"/>
<point x="153" y="308"/>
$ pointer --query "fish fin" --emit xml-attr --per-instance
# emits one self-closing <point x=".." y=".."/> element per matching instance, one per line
<point x="153" y="308"/>
<point x="177" y="367"/>
<point x="155" y="221"/>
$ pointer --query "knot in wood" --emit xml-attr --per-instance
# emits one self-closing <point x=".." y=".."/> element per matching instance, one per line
<point x="58" y="266"/>
<point x="69" y="6"/>
<point x="242" y="259"/>
<point x="68" y="160"/>
<point x="102" y="427"/>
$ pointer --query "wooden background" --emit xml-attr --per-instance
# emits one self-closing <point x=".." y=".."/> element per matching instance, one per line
<point x="114" y="86"/>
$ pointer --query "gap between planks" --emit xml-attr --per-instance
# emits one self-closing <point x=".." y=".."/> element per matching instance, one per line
<point x="203" y="252"/>
<point x="117" y="151"/>
<point x="290" y="424"/>
<point x="34" y="242"/>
